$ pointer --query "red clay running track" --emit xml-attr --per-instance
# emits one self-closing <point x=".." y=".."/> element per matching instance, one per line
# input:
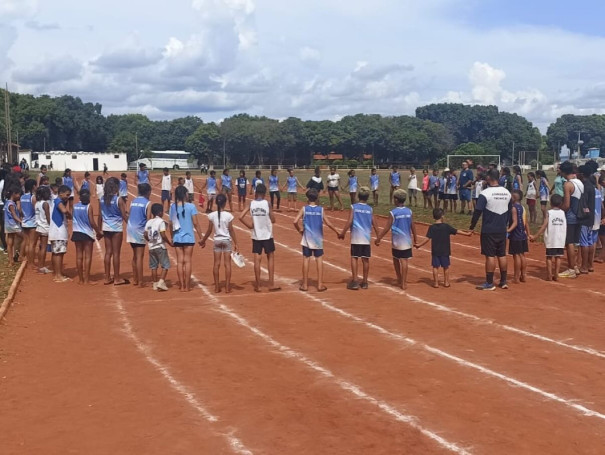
<point x="121" y="370"/>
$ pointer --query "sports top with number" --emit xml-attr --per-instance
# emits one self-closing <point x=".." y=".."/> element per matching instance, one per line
<point x="58" y="226"/>
<point x="184" y="214"/>
<point x="81" y="221"/>
<point x="143" y="176"/>
<point x="111" y="215"/>
<point x="257" y="181"/>
<point x="123" y="188"/>
<point x="353" y="184"/>
<point x="242" y="182"/>
<point x="313" y="222"/>
<point x="154" y="229"/>
<point x="226" y="181"/>
<point x="361" y="230"/>
<point x="402" y="228"/>
<point x="374" y="182"/>
<point x="10" y="224"/>
<point x="211" y="185"/>
<point x="273" y="183"/>
<point x="292" y="183"/>
<point x="137" y="218"/>
<point x="556" y="230"/>
<point x="69" y="182"/>
<point x="29" y="211"/>
<point x="395" y="179"/>
<point x="263" y="228"/>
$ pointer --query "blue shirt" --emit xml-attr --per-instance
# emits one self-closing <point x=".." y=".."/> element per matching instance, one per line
<point x="441" y="184"/>
<point x="10" y="223"/>
<point x="516" y="185"/>
<point x="29" y="212"/>
<point x="395" y="179"/>
<point x="353" y="184"/>
<point x="292" y="183"/>
<point x="519" y="233"/>
<point x="143" y="176"/>
<point x="273" y="183"/>
<point x="81" y="221"/>
<point x="544" y="190"/>
<point x="137" y="218"/>
<point x="465" y="177"/>
<point x="313" y="222"/>
<point x="361" y="230"/>
<point x="184" y="215"/>
<point x="402" y="228"/>
<point x="598" y="209"/>
<point x="433" y="181"/>
<point x="452" y="187"/>
<point x="374" y="181"/>
<point x="256" y="181"/>
<point x="211" y="185"/>
<point x="242" y="182"/>
<point x="226" y="181"/>
<point x="123" y="188"/>
<point x="85" y="185"/>
<point x="112" y="216"/>
<point x="69" y="182"/>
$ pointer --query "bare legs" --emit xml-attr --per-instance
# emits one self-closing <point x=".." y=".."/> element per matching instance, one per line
<point x="183" y="267"/>
<point x="401" y="270"/>
<point x="113" y="248"/>
<point x="138" y="255"/>
<point x="219" y="256"/>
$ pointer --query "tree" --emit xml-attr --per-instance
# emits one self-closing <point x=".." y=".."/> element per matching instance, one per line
<point x="205" y="142"/>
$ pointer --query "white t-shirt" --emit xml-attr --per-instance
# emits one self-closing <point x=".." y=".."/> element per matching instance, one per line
<point x="42" y="225"/>
<point x="413" y="183"/>
<point x="554" y="236"/>
<point x="189" y="185"/>
<point x="166" y="183"/>
<point x="263" y="228"/>
<point x="333" y="180"/>
<point x="478" y="188"/>
<point x="100" y="190"/>
<point x="221" y="230"/>
<point x="154" y="227"/>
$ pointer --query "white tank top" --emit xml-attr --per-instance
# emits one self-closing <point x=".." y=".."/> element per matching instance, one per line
<point x="554" y="237"/>
<point x="263" y="228"/>
<point x="413" y="183"/>
<point x="42" y="225"/>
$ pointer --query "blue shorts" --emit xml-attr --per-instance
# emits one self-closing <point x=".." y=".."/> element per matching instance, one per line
<point x="308" y="252"/>
<point x="465" y="194"/>
<point x="158" y="257"/>
<point x="586" y="236"/>
<point x="166" y="196"/>
<point x="440" y="261"/>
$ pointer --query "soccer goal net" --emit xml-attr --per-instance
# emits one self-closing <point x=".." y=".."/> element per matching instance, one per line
<point x="455" y="161"/>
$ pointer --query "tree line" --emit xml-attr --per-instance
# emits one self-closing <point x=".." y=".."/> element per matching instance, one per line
<point x="68" y="123"/>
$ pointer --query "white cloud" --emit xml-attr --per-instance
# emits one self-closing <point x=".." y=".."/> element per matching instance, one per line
<point x="17" y="9"/>
<point x="309" y="55"/>
<point x="58" y="69"/>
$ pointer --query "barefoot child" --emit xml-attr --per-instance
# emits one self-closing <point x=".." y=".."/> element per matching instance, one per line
<point x="99" y="187"/>
<point x="124" y="187"/>
<point x="42" y="225"/>
<point x="262" y="235"/>
<point x="352" y="186"/>
<point x="12" y="221"/>
<point x="312" y="233"/>
<point x="190" y="187"/>
<point x="361" y="223"/>
<point x="221" y="223"/>
<point x="155" y="234"/>
<point x="401" y="222"/>
<point x="166" y="188"/>
<point x="85" y="232"/>
<point x="374" y="185"/>
<point x="554" y="229"/>
<point x="57" y="233"/>
<point x="211" y="188"/>
<point x="439" y="234"/>
<point x="28" y="221"/>
<point x="531" y="197"/>
<point x="395" y="181"/>
<point x="112" y="214"/>
<point x="242" y="188"/>
<point x="413" y="187"/>
<point x="517" y="236"/>
<point x="227" y="187"/>
<point x="68" y="181"/>
<point x="274" y="189"/>
<point x="292" y="184"/>
<point x="140" y="212"/>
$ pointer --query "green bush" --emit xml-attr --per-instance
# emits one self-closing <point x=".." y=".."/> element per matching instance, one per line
<point x="352" y="164"/>
<point x="368" y="163"/>
<point x="338" y="163"/>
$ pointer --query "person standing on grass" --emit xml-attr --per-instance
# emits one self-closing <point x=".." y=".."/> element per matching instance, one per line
<point x="292" y="184"/>
<point x="425" y="188"/>
<point x="544" y="192"/>
<point x="85" y="232"/>
<point x="211" y="188"/>
<point x="312" y="216"/>
<point x="225" y="242"/>
<point x="531" y="196"/>
<point x="333" y="187"/>
<point x="361" y="223"/>
<point x="395" y="182"/>
<point x="452" y="191"/>
<point x="166" y="189"/>
<point x="142" y="174"/>
<point x="262" y="235"/>
<point x="493" y="207"/>
<point x="183" y="218"/>
<point x="42" y="225"/>
<point x="434" y="189"/>
<point x="274" y="189"/>
<point x="439" y="235"/>
<point x="557" y="187"/>
<point x="374" y="185"/>
<point x="12" y="221"/>
<point x="57" y="233"/>
<point x="112" y="214"/>
<point x="401" y="223"/>
<point x="442" y="187"/>
<point x="155" y="234"/>
<point x="28" y="220"/>
<point x="573" y="190"/>
<point x="554" y="229"/>
<point x="139" y="213"/>
<point x="352" y="186"/>
<point x="227" y="187"/>
<point x="413" y="187"/>
<point x="242" y="188"/>
<point x="517" y="234"/>
<point x="465" y="183"/>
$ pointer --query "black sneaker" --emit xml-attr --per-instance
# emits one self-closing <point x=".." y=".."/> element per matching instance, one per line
<point x="364" y="285"/>
<point x="353" y="286"/>
<point x="503" y="285"/>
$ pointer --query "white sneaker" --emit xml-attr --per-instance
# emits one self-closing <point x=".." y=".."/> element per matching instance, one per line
<point x="155" y="286"/>
<point x="569" y="273"/>
<point x="162" y="286"/>
<point x="44" y="270"/>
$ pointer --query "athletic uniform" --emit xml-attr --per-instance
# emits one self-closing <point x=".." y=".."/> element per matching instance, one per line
<point x="313" y="235"/>
<point x="137" y="218"/>
<point x="257" y="181"/>
<point x="586" y="237"/>
<point x="57" y="232"/>
<point x="42" y="223"/>
<point x="494" y="206"/>
<point x="166" y="188"/>
<point x="598" y="209"/>
<point x="573" y="227"/>
<point x="401" y="231"/>
<point x="478" y="189"/>
<point x="374" y="182"/>
<point x="441" y="248"/>
<point x="274" y="190"/>
<point x="28" y="220"/>
<point x="226" y="182"/>
<point x="556" y="233"/>
<point x="182" y="224"/>
<point x="10" y="224"/>
<point x="262" y="233"/>
<point x="544" y="191"/>
<point x="353" y="184"/>
<point x="82" y="229"/>
<point x="441" y="188"/>
<point x="451" y="191"/>
<point x="531" y="194"/>
<point x="242" y="183"/>
<point x="69" y="183"/>
<point x="123" y="190"/>
<point x="190" y="189"/>
<point x="211" y="188"/>
<point x="100" y="191"/>
<point x="143" y="176"/>
<point x="292" y="185"/>
<point x="465" y="177"/>
<point x="85" y="185"/>
<point x="433" y="184"/>
<point x="518" y="237"/>
<point x="361" y="230"/>
<point x="395" y="180"/>
<point x="112" y="217"/>
<point x="516" y="185"/>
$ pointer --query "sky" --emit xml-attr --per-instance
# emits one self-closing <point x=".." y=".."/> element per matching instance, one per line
<point x="313" y="59"/>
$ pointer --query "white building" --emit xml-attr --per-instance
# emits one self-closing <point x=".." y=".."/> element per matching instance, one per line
<point x="81" y="161"/>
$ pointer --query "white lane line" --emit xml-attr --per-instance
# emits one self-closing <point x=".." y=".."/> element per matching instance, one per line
<point x="411" y="342"/>
<point x="236" y="445"/>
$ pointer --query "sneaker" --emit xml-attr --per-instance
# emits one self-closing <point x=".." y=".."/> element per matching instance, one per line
<point x="486" y="287"/>
<point x="577" y="270"/>
<point x="44" y="270"/>
<point x="569" y="273"/>
<point x="353" y="286"/>
<point x="364" y="285"/>
<point x="503" y="285"/>
<point x="155" y="286"/>
<point x="162" y="286"/>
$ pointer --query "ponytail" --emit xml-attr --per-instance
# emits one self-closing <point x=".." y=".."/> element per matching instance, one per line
<point x="221" y="200"/>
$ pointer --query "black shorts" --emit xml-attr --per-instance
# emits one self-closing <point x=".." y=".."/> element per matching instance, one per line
<point x="401" y="254"/>
<point x="555" y="252"/>
<point x="80" y="237"/>
<point x="602" y="231"/>
<point x="71" y="198"/>
<point x="493" y="245"/>
<point x="137" y="245"/>
<point x="573" y="234"/>
<point x="332" y="189"/>
<point x="259" y="245"/>
<point x="110" y="234"/>
<point x="166" y="195"/>
<point x="451" y="197"/>
<point x="182" y="245"/>
<point x="441" y="196"/>
<point x="517" y="247"/>
<point x="361" y="251"/>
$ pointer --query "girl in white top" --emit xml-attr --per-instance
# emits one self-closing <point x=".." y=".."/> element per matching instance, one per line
<point x="221" y="223"/>
<point x="99" y="189"/>
<point x="531" y="196"/>
<point x="413" y="187"/>
<point x="333" y="180"/>
<point x="554" y="229"/>
<point x="42" y="225"/>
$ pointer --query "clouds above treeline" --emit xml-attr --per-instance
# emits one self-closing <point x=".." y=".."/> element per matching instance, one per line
<point x="314" y="59"/>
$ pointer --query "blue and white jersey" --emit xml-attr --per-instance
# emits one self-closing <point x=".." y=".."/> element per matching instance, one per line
<point x="452" y="185"/>
<point x="544" y="190"/>
<point x="516" y="185"/>
<point x="81" y="220"/>
<point x="395" y="179"/>
<point x="598" y="209"/>
<point x="226" y="181"/>
<point x="353" y="184"/>
<point x="256" y="181"/>
<point x="58" y="225"/>
<point x="143" y="176"/>
<point x="374" y="182"/>
<point x="112" y="217"/>
<point x="29" y="212"/>
<point x="85" y="185"/>
<point x="123" y="188"/>
<point x="519" y="233"/>
<point x="313" y="222"/>
<point x="433" y="181"/>
<point x="402" y="228"/>
<point x="242" y="182"/>
<point x="69" y="182"/>
<point x="442" y="184"/>
<point x="292" y="184"/>
<point x="211" y="185"/>
<point x="361" y="230"/>
<point x="10" y="224"/>
<point x="183" y="214"/>
<point x="137" y="218"/>
<point x="273" y="183"/>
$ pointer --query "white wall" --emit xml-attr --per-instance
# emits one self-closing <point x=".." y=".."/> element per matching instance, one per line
<point x="84" y="161"/>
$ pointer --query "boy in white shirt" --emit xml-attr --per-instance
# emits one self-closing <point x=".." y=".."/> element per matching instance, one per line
<point x="166" y="189"/>
<point x="554" y="229"/>
<point x="155" y="234"/>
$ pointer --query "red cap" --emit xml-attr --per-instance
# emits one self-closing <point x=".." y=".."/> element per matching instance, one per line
<point x="17" y="169"/>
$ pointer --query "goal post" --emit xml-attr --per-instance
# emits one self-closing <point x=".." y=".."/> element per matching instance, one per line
<point x="455" y="161"/>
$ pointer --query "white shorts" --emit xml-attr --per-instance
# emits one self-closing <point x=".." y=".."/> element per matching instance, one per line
<point x="42" y="231"/>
